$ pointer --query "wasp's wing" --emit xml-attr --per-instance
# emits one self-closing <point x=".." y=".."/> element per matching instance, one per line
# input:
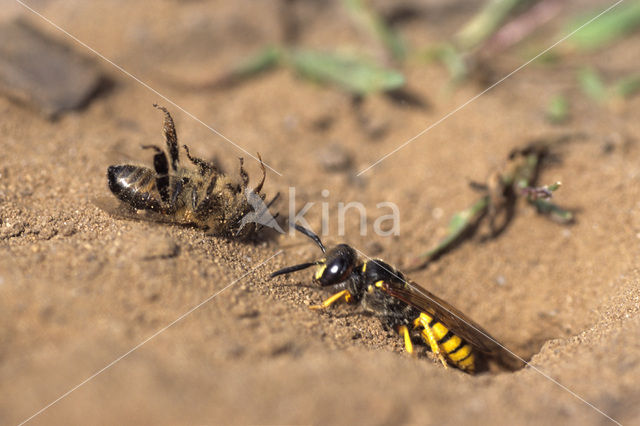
<point x="120" y="210"/>
<point x="460" y="324"/>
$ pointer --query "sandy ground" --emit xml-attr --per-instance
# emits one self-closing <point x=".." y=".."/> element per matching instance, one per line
<point x="80" y="288"/>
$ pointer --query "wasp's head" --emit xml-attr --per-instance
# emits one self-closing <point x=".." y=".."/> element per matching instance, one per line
<point x="334" y="268"/>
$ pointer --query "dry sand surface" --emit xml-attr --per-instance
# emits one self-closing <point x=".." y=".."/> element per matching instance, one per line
<point x="79" y="288"/>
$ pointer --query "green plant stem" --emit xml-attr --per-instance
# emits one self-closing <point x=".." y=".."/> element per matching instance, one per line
<point x="486" y="22"/>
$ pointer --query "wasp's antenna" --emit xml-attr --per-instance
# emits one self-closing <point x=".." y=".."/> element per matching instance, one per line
<point x="291" y="269"/>
<point x="311" y="235"/>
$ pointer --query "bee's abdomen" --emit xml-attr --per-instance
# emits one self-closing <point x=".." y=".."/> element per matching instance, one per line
<point x="456" y="350"/>
<point x="134" y="185"/>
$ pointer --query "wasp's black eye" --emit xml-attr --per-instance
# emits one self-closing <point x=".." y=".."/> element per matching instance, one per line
<point x="337" y="267"/>
<point x="334" y="272"/>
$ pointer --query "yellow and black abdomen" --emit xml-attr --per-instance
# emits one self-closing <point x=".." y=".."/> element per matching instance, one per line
<point x="453" y="347"/>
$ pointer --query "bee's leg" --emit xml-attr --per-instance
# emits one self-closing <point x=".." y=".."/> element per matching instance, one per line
<point x="212" y="184"/>
<point x="404" y="332"/>
<point x="333" y="299"/>
<point x="170" y="137"/>
<point x="194" y="198"/>
<point x="210" y="202"/>
<point x="177" y="187"/>
<point x="258" y="187"/>
<point x="161" y="166"/>
<point x="243" y="173"/>
<point x="204" y="167"/>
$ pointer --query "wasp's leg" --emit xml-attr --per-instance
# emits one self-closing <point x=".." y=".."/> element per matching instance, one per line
<point x="333" y="299"/>
<point x="170" y="137"/>
<point x="203" y="166"/>
<point x="428" y="324"/>
<point x="404" y="332"/>
<point x="430" y="338"/>
<point x="161" y="166"/>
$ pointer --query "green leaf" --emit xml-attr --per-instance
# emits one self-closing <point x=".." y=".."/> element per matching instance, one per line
<point x="353" y="74"/>
<point x="486" y="22"/>
<point x="261" y="61"/>
<point x="264" y="60"/>
<point x="606" y="29"/>
<point x="452" y="59"/>
<point x="373" y="23"/>
<point x="554" y="186"/>
<point x="549" y="208"/>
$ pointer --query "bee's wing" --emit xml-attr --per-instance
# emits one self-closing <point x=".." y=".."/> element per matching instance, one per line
<point x="120" y="210"/>
<point x="460" y="324"/>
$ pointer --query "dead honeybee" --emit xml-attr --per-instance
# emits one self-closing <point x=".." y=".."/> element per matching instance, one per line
<point x="204" y="197"/>
<point x="405" y="306"/>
